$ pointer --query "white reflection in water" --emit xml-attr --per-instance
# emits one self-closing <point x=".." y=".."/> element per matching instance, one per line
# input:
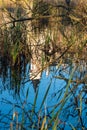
<point x="55" y="94"/>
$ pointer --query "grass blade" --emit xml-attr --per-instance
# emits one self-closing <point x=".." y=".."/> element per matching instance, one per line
<point x="73" y="128"/>
<point x="63" y="100"/>
<point x="44" y="98"/>
<point x="80" y="104"/>
<point x="35" y="100"/>
<point x="43" y="123"/>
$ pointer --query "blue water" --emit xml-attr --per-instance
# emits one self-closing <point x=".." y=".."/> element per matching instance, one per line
<point x="23" y="101"/>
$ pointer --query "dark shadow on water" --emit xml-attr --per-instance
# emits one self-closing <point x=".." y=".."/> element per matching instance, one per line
<point x="56" y="79"/>
<point x="33" y="94"/>
<point x="14" y="74"/>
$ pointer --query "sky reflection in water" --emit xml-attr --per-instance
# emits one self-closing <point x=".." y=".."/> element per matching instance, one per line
<point x="11" y="102"/>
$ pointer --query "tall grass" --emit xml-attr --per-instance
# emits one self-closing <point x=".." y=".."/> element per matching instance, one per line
<point x="60" y="41"/>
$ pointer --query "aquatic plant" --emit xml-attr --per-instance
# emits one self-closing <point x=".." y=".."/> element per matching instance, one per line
<point x="59" y="43"/>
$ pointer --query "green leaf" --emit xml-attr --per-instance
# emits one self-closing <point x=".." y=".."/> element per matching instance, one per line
<point x="45" y="96"/>
<point x="35" y="100"/>
<point x="55" y="125"/>
<point x="66" y="96"/>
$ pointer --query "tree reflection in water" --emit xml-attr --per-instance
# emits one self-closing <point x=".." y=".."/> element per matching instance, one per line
<point x="12" y="74"/>
<point x="72" y="98"/>
<point x="44" y="85"/>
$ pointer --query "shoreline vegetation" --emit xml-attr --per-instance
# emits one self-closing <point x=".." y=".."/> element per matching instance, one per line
<point x="43" y="34"/>
<point x="57" y="31"/>
<point x="54" y="31"/>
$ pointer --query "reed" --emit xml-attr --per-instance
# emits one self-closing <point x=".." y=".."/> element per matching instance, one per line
<point x="63" y="35"/>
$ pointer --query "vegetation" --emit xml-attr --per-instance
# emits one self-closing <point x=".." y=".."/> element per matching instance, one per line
<point x="45" y="34"/>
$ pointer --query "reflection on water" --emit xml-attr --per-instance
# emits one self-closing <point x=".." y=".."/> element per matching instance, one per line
<point x="17" y="109"/>
<point x="27" y="94"/>
<point x="43" y="86"/>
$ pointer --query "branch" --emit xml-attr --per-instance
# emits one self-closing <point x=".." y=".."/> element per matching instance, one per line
<point x="31" y="18"/>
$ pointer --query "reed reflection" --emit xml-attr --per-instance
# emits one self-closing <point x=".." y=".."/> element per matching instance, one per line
<point x="49" y="58"/>
<point x="11" y="75"/>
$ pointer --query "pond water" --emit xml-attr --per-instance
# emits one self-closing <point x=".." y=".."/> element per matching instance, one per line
<point x="43" y="70"/>
<point x="60" y="90"/>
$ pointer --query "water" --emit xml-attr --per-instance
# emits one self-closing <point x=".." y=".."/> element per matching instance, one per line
<point x="17" y="103"/>
<point x="43" y="71"/>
